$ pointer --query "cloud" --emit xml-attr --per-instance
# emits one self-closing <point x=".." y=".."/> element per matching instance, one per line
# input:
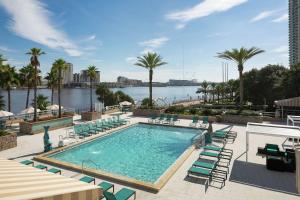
<point x="6" y="49"/>
<point x="180" y="26"/>
<point x="91" y="37"/>
<point x="31" y="20"/>
<point x="282" y="49"/>
<point x="203" y="9"/>
<point x="131" y="60"/>
<point x="282" y="18"/>
<point x="154" y="43"/>
<point x="212" y="35"/>
<point x="147" y="50"/>
<point x="263" y="15"/>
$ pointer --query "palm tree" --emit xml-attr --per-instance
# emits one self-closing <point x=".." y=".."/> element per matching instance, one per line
<point x="35" y="53"/>
<point x="42" y="102"/>
<point x="218" y="91"/>
<point x="92" y="73"/>
<point x="213" y="90"/>
<point x="59" y="65"/>
<point x="240" y="56"/>
<point x="150" y="61"/>
<point x="27" y="79"/>
<point x="2" y="60"/>
<point x="204" y="89"/>
<point x="2" y="103"/>
<point x="9" y="78"/>
<point x="52" y="82"/>
<point x="231" y="86"/>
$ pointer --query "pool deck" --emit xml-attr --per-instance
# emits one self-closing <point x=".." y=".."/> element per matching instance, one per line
<point x="246" y="180"/>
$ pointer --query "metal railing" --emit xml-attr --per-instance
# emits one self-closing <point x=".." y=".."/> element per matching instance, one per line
<point x="88" y="160"/>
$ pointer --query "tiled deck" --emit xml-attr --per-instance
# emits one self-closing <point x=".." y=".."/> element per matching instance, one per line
<point x="246" y="180"/>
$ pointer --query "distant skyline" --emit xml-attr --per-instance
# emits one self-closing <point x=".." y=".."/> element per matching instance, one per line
<point x="111" y="34"/>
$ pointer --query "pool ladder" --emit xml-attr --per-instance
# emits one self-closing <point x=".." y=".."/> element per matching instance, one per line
<point x="86" y="161"/>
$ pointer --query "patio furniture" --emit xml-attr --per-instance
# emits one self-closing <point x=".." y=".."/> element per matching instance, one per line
<point x="207" y="173"/>
<point x="92" y="129"/>
<point x="160" y="119"/>
<point x="122" y="194"/>
<point x="218" y="149"/>
<point x="215" y="155"/>
<point x="204" y="122"/>
<point x="105" y="186"/>
<point x="27" y="162"/>
<point x="175" y="119"/>
<point x="195" y="121"/>
<point x="54" y="171"/>
<point x="78" y="130"/>
<point x="152" y="118"/>
<point x="168" y="119"/>
<point x="88" y="179"/>
<point x="41" y="167"/>
<point x="211" y="166"/>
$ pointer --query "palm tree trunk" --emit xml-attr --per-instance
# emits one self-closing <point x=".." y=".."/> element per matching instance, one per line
<point x="27" y="98"/>
<point x="150" y="87"/>
<point x="91" y="96"/>
<point x="35" y="91"/>
<point x="52" y="93"/>
<point x="218" y="98"/>
<point x="59" y="85"/>
<point x="241" y="88"/>
<point x="8" y="99"/>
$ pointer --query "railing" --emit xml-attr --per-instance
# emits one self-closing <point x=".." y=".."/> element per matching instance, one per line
<point x="88" y="160"/>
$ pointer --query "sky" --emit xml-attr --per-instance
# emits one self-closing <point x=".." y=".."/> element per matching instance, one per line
<point x="112" y="34"/>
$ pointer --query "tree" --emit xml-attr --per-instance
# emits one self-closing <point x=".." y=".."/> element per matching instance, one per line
<point x="9" y="78"/>
<point x="290" y="82"/>
<point x="121" y="96"/>
<point x="150" y="61"/>
<point x="59" y="65"/>
<point x="231" y="88"/>
<point x="27" y="79"/>
<point x="92" y="74"/>
<point x="2" y="103"/>
<point x="213" y="90"/>
<point x="218" y="92"/>
<point x="35" y="53"/>
<point x="204" y="89"/>
<point x="240" y="56"/>
<point x="2" y="59"/>
<point x="52" y="78"/>
<point x="42" y="102"/>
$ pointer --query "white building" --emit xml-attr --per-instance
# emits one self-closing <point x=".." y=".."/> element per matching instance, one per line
<point x="67" y="75"/>
<point x="294" y="32"/>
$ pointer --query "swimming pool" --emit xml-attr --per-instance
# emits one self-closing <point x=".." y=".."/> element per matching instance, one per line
<point x="141" y="152"/>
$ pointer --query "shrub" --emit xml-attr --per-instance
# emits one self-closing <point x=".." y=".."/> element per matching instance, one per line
<point x="3" y="133"/>
<point x="193" y="111"/>
<point x="207" y="112"/>
<point x="175" y="109"/>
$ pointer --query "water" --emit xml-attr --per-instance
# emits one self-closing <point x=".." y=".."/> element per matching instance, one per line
<point x="142" y="152"/>
<point x="79" y="98"/>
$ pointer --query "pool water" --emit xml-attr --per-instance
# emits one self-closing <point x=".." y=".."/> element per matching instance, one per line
<point x="142" y="152"/>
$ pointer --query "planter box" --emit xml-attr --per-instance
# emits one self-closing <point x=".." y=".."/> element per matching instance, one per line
<point x="147" y="112"/>
<point x="8" y="141"/>
<point x="240" y="119"/>
<point x="38" y="127"/>
<point x="89" y="116"/>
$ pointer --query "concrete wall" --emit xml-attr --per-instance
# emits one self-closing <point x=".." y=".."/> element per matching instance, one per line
<point x="147" y="112"/>
<point x="8" y="141"/>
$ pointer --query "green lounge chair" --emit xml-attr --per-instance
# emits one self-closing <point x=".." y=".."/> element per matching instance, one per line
<point x="224" y="135"/>
<point x="86" y="129"/>
<point x="124" y="121"/>
<point x="54" y="171"/>
<point x="175" y="119"/>
<point x="100" y="124"/>
<point x="88" y="179"/>
<point x="27" y="162"/>
<point x="168" y="119"/>
<point x="160" y="119"/>
<point x="105" y="186"/>
<point x="204" y="122"/>
<point x="122" y="194"/>
<point x="211" y="166"/>
<point x="218" y="149"/>
<point x="195" y="121"/>
<point x="41" y="167"/>
<point x="152" y="118"/>
<point x="78" y="130"/>
<point x="215" y="155"/>
<point x="98" y="127"/>
<point x="107" y="124"/>
<point x="111" y="123"/>
<point x="92" y="129"/>
<point x="210" y="174"/>
<point x="119" y="121"/>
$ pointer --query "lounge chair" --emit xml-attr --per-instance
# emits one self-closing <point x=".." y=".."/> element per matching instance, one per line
<point x="175" y="119"/>
<point x="78" y="130"/>
<point x="88" y="179"/>
<point x="101" y="124"/>
<point x="218" y="149"/>
<point x="160" y="119"/>
<point x="108" y="124"/>
<point x="92" y="128"/>
<point x="204" y="122"/>
<point x="212" y="166"/>
<point x="54" y="171"/>
<point x="27" y="162"/>
<point x="122" y="194"/>
<point x="215" y="155"/>
<point x="152" y="118"/>
<point x="210" y="174"/>
<point x="41" y="167"/>
<point x="105" y="186"/>
<point x="119" y="121"/>
<point x="168" y="119"/>
<point x="195" y="121"/>
<point x="98" y="126"/>
<point x="224" y="135"/>
<point x="113" y="124"/>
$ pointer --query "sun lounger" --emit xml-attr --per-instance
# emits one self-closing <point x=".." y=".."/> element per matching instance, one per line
<point x="27" y="162"/>
<point x="210" y="174"/>
<point x="92" y="129"/>
<point x="41" y="167"/>
<point x="175" y="119"/>
<point x="160" y="119"/>
<point x="105" y="186"/>
<point x="204" y="122"/>
<point x="54" y="171"/>
<point x="215" y="155"/>
<point x="88" y="179"/>
<point x="212" y="166"/>
<point x="122" y="194"/>
<point x="168" y="119"/>
<point x="195" y="121"/>
<point x="152" y="118"/>
<point x="78" y="130"/>
<point x="218" y="149"/>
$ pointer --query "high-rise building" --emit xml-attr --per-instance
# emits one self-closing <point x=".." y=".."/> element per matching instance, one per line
<point x="67" y="75"/>
<point x="84" y="78"/>
<point x="294" y="32"/>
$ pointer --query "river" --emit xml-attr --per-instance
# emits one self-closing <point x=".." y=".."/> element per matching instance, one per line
<point x="79" y="98"/>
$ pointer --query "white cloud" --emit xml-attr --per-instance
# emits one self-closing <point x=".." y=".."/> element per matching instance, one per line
<point x="31" y="20"/>
<point x="154" y="43"/>
<point x="282" y="18"/>
<point x="180" y="26"/>
<point x="91" y="37"/>
<point x="282" y="49"/>
<point x="6" y="49"/>
<point x="263" y="15"/>
<point x="203" y="9"/>
<point x="147" y="50"/>
<point x="131" y="60"/>
<point x="212" y="35"/>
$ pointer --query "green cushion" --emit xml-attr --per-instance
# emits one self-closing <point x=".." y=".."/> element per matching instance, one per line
<point x="105" y="185"/>
<point x="201" y="171"/>
<point x="212" y="148"/>
<point x="41" y="166"/>
<point x="205" y="164"/>
<point x="210" y="154"/>
<point x="109" y="196"/>
<point x="54" y="170"/>
<point x="26" y="162"/>
<point x="272" y="146"/>
<point x="124" y="194"/>
<point x="87" y="179"/>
